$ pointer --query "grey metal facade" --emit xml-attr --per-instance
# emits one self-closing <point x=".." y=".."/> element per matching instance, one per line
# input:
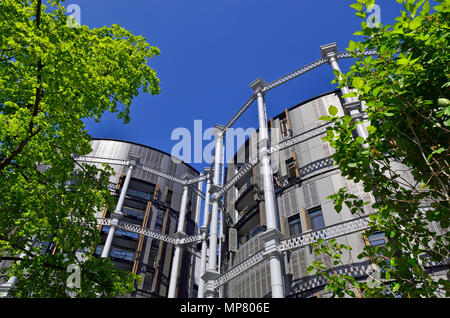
<point x="154" y="203"/>
<point x="304" y="176"/>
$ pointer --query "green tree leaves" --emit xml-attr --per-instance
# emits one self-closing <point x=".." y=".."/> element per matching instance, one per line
<point x="51" y="78"/>
<point x="405" y="159"/>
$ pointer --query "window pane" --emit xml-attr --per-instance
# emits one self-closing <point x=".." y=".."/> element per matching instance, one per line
<point x="294" y="225"/>
<point x="377" y="239"/>
<point x="118" y="231"/>
<point x="139" y="194"/>
<point x="133" y="212"/>
<point x="316" y="218"/>
<point x="126" y="255"/>
<point x="159" y="220"/>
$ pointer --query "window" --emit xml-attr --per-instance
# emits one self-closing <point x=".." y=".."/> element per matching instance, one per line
<point x="377" y="239"/>
<point x="285" y="131"/>
<point x="122" y="254"/>
<point x="168" y="198"/>
<point x="295" y="226"/>
<point x="316" y="219"/>
<point x="256" y="230"/>
<point x="133" y="212"/>
<point x="99" y="250"/>
<point x="139" y="194"/>
<point x="159" y="221"/>
<point x="148" y="280"/>
<point x="291" y="171"/>
<point x="154" y="249"/>
<point x="118" y="231"/>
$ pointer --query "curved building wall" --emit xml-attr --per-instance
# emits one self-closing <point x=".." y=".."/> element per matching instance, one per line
<point x="154" y="203"/>
<point x="304" y="176"/>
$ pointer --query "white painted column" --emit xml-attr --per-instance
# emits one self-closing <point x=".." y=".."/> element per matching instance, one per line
<point x="212" y="273"/>
<point x="180" y="233"/>
<point x="329" y="52"/>
<point x="118" y="212"/>
<point x="272" y="235"/>
<point x="201" y="284"/>
<point x="215" y="205"/>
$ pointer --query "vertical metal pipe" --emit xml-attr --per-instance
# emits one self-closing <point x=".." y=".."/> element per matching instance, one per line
<point x="177" y="253"/>
<point x="329" y="52"/>
<point x="197" y="231"/>
<point x="117" y="213"/>
<point x="218" y="159"/>
<point x="276" y="280"/>
<point x="212" y="263"/>
<point x="184" y="201"/>
<point x="201" y="285"/>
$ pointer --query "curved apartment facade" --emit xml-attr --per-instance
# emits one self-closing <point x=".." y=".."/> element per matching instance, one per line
<point x="151" y="202"/>
<point x="304" y="176"/>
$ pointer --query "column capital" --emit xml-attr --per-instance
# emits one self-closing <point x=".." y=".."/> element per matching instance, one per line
<point x="354" y="109"/>
<point x="179" y="236"/>
<point x="271" y="239"/>
<point x="134" y="159"/>
<point x="258" y="85"/>
<point x="209" y="277"/>
<point x="329" y="50"/>
<point x="203" y="230"/>
<point x="270" y="235"/>
<point x="214" y="189"/>
<point x="219" y="130"/>
<point x="116" y="216"/>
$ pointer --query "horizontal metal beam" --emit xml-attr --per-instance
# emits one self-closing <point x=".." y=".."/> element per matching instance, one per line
<point x="280" y="146"/>
<point x="161" y="174"/>
<point x="112" y="161"/>
<point x="240" y="112"/>
<point x="241" y="173"/>
<point x="295" y="74"/>
<point x="299" y="138"/>
<point x="195" y="180"/>
<point x="139" y="230"/>
<point x="291" y="243"/>
<point x="326" y="233"/>
<point x="239" y="269"/>
<point x="288" y="77"/>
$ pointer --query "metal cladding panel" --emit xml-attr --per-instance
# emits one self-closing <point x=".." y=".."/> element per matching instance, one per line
<point x="299" y="263"/>
<point x="156" y="160"/>
<point x="311" y="155"/>
<point x="318" y="110"/>
<point x="296" y="121"/>
<point x="232" y="240"/>
<point x="111" y="149"/>
<point x="281" y="208"/>
<point x="307" y="116"/>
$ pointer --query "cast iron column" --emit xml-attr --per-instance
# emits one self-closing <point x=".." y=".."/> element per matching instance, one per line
<point x="272" y="236"/>
<point x="118" y="212"/>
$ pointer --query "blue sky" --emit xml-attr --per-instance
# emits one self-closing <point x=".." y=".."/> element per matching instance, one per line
<point x="212" y="50"/>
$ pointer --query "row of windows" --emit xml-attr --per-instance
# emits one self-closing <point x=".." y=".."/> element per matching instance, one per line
<point x="119" y="231"/>
<point x="315" y="222"/>
<point x="117" y="253"/>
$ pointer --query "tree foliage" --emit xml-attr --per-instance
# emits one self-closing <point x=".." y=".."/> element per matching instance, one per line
<point x="404" y="162"/>
<point x="52" y="76"/>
